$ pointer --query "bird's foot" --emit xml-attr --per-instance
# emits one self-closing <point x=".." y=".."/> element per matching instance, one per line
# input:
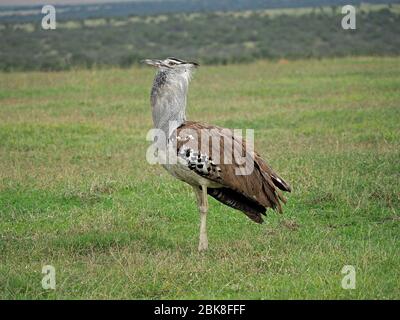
<point x="203" y="245"/>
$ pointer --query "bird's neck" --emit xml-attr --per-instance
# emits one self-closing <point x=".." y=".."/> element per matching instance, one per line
<point x="168" y="100"/>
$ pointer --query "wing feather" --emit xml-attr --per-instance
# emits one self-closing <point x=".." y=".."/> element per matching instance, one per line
<point x="251" y="192"/>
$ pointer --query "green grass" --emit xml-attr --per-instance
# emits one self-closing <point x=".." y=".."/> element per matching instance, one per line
<point x="77" y="193"/>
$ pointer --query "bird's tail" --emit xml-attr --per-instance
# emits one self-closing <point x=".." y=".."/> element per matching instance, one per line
<point x="237" y="201"/>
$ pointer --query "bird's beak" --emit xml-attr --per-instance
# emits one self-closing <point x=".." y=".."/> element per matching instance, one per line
<point x="152" y="62"/>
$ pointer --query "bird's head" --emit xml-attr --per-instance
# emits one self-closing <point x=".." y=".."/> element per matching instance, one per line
<point x="172" y="65"/>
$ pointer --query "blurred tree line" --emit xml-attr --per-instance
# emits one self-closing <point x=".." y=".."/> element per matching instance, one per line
<point x="210" y="38"/>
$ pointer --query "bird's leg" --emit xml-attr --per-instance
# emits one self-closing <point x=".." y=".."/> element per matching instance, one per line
<point x="202" y="202"/>
<point x="203" y="244"/>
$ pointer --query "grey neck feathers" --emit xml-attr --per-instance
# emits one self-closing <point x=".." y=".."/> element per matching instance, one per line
<point x="168" y="99"/>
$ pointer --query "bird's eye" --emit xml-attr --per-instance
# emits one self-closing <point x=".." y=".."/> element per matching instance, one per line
<point x="171" y="63"/>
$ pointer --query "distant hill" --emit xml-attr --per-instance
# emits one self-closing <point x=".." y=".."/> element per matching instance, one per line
<point x="211" y="38"/>
<point x="124" y="9"/>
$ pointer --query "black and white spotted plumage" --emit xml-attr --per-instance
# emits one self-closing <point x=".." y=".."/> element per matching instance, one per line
<point x="202" y="164"/>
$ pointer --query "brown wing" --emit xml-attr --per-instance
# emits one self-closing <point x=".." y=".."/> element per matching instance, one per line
<point x="247" y="182"/>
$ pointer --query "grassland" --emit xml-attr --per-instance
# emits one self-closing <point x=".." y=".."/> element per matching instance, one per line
<point x="77" y="193"/>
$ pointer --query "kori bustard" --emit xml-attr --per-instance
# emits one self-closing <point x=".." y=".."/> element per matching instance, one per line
<point x="228" y="181"/>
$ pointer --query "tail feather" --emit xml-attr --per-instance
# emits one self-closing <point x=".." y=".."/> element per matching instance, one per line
<point x="280" y="183"/>
<point x="238" y="201"/>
